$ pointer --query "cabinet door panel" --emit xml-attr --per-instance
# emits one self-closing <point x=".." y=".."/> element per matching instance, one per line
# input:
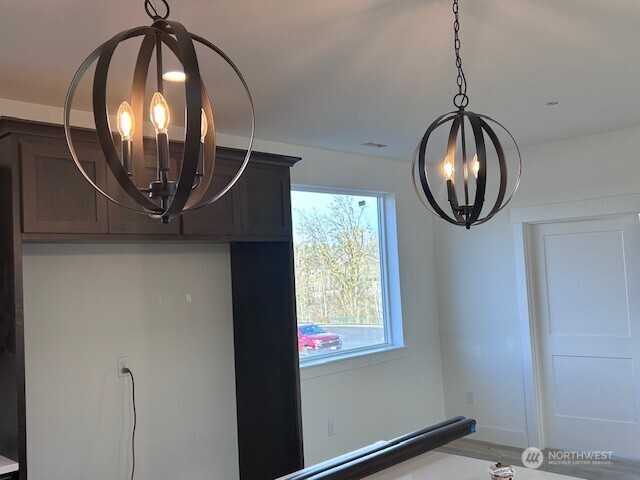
<point x="122" y="220"/>
<point x="266" y="201"/>
<point x="55" y="196"/>
<point x="221" y="217"/>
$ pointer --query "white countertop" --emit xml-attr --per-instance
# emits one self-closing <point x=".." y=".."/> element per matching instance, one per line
<point x="8" y="466"/>
<point x="434" y="464"/>
<point x="442" y="465"/>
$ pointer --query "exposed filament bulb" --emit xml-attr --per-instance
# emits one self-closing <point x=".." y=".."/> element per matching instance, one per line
<point x="475" y="166"/>
<point x="448" y="168"/>
<point x="204" y="125"/>
<point x="160" y="115"/>
<point x="126" y="121"/>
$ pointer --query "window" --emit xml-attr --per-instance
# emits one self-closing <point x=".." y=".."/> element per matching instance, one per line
<point x="341" y="278"/>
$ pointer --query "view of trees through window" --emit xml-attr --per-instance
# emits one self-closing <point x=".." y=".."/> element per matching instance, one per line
<point x="339" y="282"/>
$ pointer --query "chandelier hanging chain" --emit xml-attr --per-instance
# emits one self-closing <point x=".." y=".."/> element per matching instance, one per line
<point x="460" y="100"/>
<point x="152" y="10"/>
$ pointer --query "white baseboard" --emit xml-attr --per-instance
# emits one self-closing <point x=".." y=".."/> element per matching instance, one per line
<point x="501" y="436"/>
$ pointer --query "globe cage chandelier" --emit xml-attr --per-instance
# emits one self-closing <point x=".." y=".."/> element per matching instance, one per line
<point x="458" y="167"/>
<point x="164" y="198"/>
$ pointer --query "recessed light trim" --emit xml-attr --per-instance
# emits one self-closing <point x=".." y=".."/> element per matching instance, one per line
<point x="174" y="76"/>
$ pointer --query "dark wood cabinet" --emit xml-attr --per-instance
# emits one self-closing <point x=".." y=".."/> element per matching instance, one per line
<point x="222" y="217"/>
<point x="55" y="196"/>
<point x="44" y="198"/>
<point x="266" y="201"/>
<point x="58" y="202"/>
<point x="263" y="281"/>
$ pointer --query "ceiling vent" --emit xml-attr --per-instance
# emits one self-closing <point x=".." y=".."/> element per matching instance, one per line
<point x="374" y="145"/>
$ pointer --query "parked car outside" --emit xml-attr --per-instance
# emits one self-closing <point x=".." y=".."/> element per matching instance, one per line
<point x="314" y="339"/>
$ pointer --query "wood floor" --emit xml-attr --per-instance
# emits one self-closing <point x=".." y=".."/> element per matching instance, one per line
<point x="621" y="469"/>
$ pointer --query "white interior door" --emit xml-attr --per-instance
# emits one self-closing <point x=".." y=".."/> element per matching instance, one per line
<point x="586" y="300"/>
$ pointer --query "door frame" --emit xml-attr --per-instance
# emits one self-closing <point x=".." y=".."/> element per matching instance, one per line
<point x="522" y="219"/>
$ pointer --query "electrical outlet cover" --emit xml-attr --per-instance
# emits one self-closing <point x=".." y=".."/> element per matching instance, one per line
<point x="123" y="362"/>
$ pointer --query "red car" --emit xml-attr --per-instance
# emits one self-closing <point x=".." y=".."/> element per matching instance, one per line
<point x="315" y="339"/>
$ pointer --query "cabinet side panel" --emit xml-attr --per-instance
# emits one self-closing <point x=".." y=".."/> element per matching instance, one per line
<point x="266" y="356"/>
<point x="11" y="351"/>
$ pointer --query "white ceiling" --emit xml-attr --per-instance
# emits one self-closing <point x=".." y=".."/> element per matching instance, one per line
<point x="339" y="73"/>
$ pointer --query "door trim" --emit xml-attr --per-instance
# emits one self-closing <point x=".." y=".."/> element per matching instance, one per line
<point x="522" y="218"/>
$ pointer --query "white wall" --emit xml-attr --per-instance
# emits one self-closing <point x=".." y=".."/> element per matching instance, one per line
<point x="167" y="307"/>
<point x="477" y="298"/>
<point x="385" y="399"/>
<point x="381" y="400"/>
<point x="394" y="397"/>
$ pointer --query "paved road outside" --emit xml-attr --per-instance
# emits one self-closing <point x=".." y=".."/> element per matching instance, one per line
<point x="356" y="337"/>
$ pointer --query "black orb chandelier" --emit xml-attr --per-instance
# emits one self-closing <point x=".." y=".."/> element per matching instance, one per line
<point x="464" y="159"/>
<point x="171" y="193"/>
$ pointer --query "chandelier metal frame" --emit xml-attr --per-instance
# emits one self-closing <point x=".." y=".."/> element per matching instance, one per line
<point x="467" y="213"/>
<point x="164" y="198"/>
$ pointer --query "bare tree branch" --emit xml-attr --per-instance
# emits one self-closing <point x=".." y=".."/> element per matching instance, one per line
<point x="337" y="261"/>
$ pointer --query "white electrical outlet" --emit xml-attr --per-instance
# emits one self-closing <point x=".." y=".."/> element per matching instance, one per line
<point x="331" y="428"/>
<point x="123" y="362"/>
<point x="470" y="400"/>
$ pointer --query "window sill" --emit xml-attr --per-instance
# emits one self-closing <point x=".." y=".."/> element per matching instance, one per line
<point x="349" y="361"/>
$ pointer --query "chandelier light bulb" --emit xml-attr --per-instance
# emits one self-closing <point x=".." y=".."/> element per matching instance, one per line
<point x="126" y="121"/>
<point x="475" y="166"/>
<point x="160" y="115"/>
<point x="448" y="168"/>
<point x="204" y="125"/>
